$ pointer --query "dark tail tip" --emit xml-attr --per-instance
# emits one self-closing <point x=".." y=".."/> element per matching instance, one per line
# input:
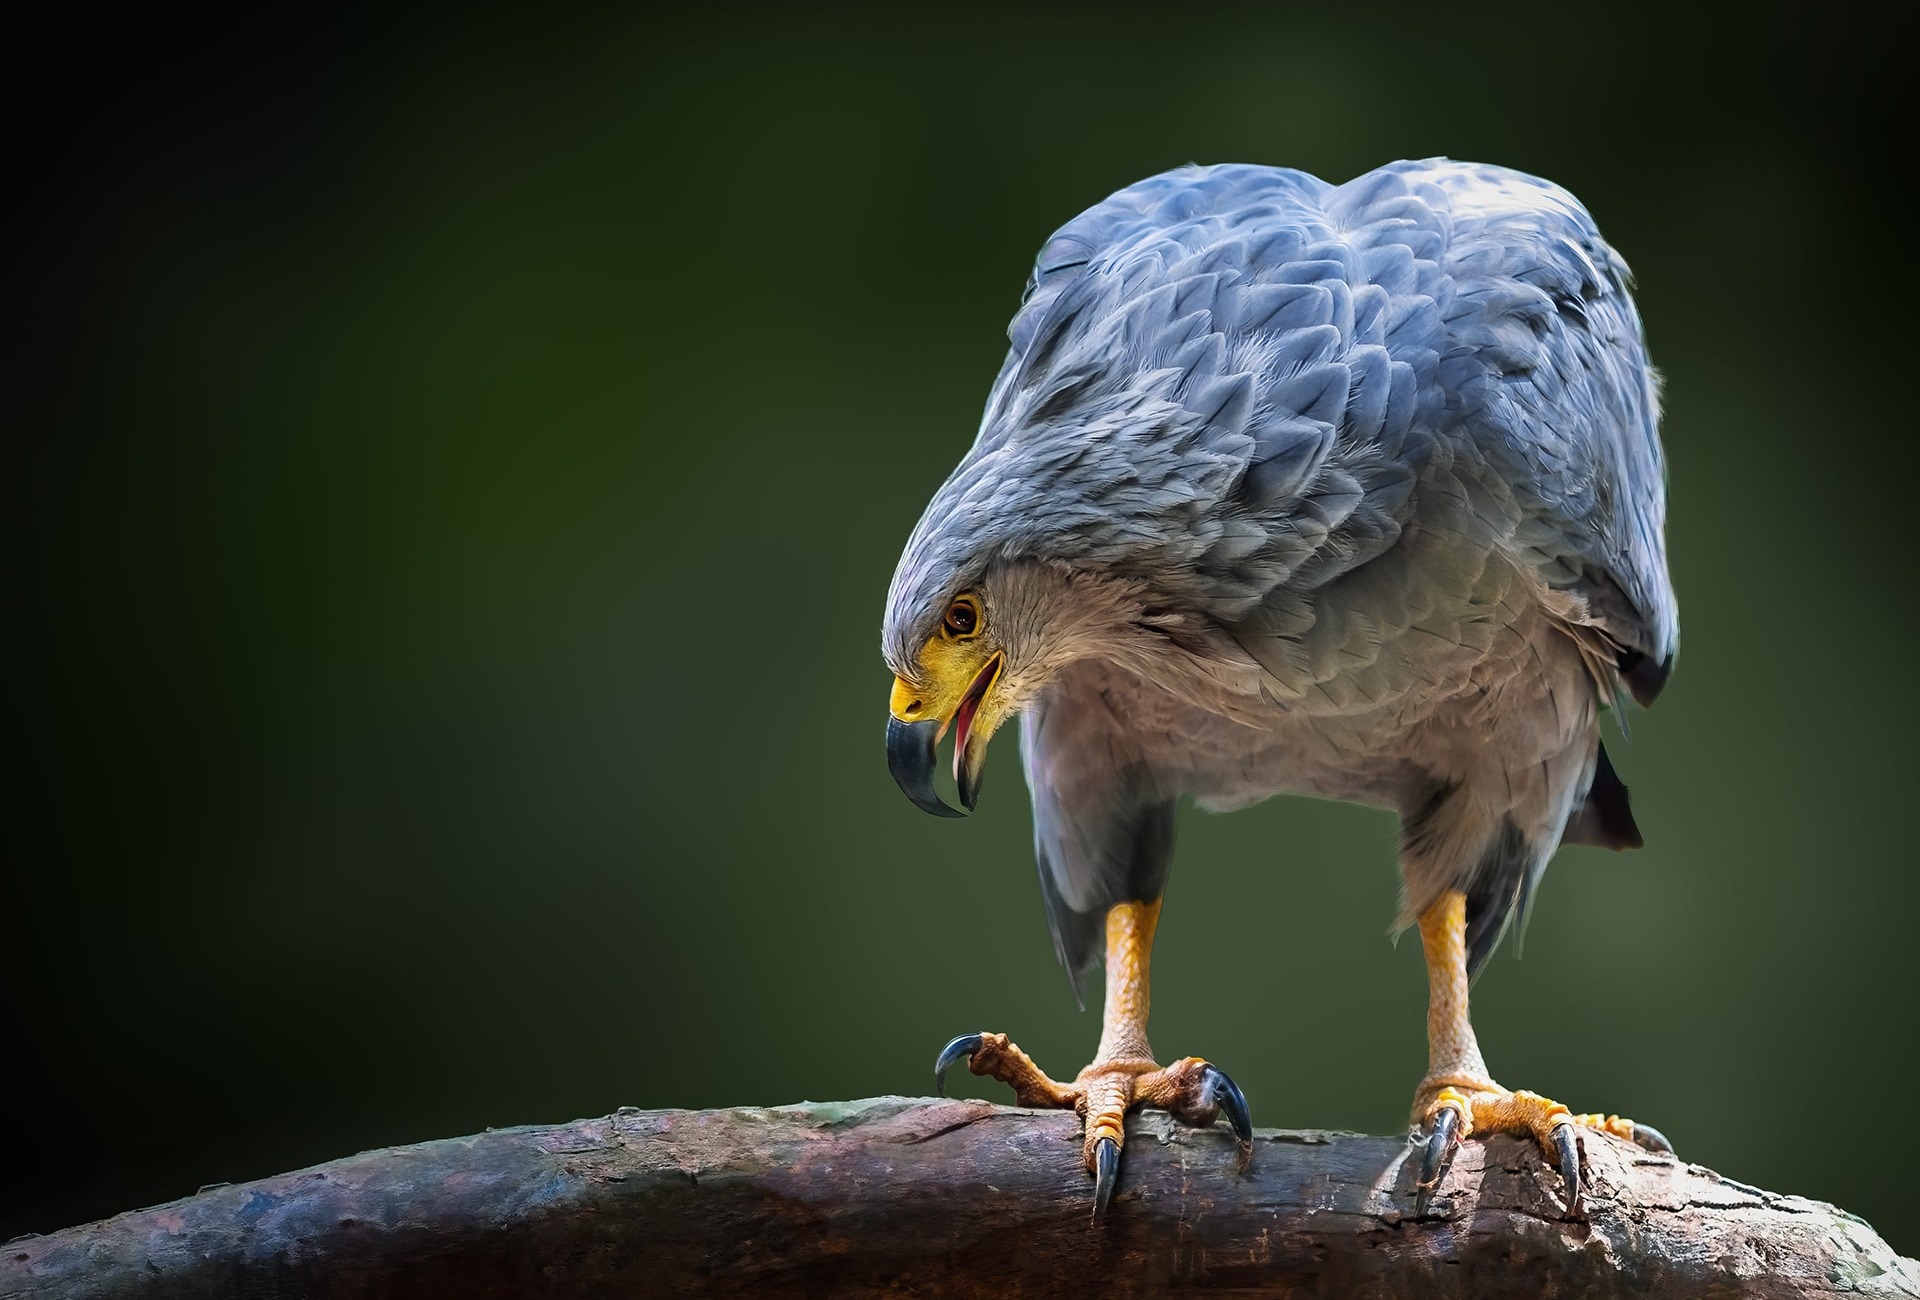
<point x="1605" y="820"/>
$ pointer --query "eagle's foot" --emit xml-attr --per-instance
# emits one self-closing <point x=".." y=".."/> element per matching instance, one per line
<point x="1191" y="1090"/>
<point x="995" y="1055"/>
<point x="1451" y="1108"/>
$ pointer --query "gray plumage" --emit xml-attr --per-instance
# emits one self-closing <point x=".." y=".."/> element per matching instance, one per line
<point x="1352" y="491"/>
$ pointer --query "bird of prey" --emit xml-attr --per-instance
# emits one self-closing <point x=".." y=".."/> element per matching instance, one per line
<point x="1353" y="491"/>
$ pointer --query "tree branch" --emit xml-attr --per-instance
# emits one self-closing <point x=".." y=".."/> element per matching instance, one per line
<point x="893" y="1196"/>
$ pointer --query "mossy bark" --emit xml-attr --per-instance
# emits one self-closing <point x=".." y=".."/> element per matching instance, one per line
<point x="895" y="1196"/>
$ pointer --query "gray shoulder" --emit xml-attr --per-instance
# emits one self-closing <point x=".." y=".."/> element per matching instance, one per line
<point x="1548" y="374"/>
<point x="1175" y="210"/>
<point x="1165" y="230"/>
<point x="1223" y="342"/>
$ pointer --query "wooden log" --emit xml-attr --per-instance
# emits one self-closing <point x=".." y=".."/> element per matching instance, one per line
<point x="895" y="1196"/>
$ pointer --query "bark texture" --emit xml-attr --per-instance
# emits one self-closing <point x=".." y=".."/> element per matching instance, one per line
<point x="896" y="1196"/>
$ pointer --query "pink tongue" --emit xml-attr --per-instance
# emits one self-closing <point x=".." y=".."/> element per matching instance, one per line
<point x="962" y="723"/>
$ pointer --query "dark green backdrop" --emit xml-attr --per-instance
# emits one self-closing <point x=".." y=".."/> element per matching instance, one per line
<point x="463" y="463"/>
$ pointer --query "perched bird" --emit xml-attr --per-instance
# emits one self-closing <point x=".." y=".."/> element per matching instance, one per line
<point x="1351" y="491"/>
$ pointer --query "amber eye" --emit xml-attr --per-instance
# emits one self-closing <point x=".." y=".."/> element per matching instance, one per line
<point x="962" y="617"/>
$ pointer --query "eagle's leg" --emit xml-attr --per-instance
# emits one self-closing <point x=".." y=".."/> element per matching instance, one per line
<point x="1458" y="1097"/>
<point x="1123" y="1074"/>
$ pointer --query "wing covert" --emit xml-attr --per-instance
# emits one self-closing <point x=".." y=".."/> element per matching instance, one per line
<point x="1549" y="374"/>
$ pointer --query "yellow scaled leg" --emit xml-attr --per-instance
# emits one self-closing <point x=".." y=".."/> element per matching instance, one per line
<point x="1458" y="1098"/>
<point x="1123" y="1074"/>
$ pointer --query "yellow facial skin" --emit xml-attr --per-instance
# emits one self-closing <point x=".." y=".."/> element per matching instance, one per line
<point x="950" y="662"/>
<point x="962" y="657"/>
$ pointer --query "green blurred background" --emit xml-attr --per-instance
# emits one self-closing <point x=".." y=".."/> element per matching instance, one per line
<point x="463" y="460"/>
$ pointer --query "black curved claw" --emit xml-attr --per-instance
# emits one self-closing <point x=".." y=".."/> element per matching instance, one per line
<point x="1437" y="1156"/>
<point x="958" y="1050"/>
<point x="1226" y="1094"/>
<point x="1106" y="1170"/>
<point x="1652" y="1139"/>
<point x="1566" y="1140"/>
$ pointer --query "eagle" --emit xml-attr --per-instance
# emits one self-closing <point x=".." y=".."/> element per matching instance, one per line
<point x="1349" y="491"/>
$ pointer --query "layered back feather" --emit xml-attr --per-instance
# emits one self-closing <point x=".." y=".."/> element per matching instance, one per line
<point x="1225" y="382"/>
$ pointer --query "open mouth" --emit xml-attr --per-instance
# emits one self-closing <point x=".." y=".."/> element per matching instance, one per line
<point x="963" y="716"/>
<point x="913" y="748"/>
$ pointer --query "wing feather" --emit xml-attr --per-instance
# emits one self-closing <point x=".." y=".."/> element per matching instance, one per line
<point x="1564" y="402"/>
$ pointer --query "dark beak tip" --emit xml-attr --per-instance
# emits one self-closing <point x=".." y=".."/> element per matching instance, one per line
<point x="911" y="759"/>
<point x="969" y="786"/>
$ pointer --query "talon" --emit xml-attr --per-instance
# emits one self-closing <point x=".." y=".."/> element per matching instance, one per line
<point x="1567" y="1140"/>
<point x="959" y="1049"/>
<point x="1106" y="1171"/>
<point x="1438" y="1155"/>
<point x="1652" y="1139"/>
<point x="1223" y="1092"/>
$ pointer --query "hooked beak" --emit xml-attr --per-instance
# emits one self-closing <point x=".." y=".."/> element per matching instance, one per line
<point x="911" y="752"/>
<point x="910" y="757"/>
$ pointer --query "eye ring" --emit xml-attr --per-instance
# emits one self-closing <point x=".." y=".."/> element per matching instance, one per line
<point x="962" y="618"/>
